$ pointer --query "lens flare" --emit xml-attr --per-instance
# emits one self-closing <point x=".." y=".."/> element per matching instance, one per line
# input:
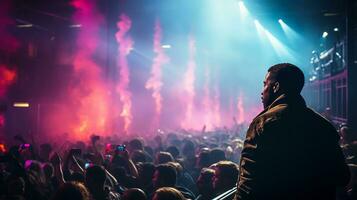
<point x="125" y="46"/>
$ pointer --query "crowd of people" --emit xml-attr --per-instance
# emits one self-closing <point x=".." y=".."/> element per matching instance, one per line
<point x="169" y="166"/>
<point x="289" y="152"/>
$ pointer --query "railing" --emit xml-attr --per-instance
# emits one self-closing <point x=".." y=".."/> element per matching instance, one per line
<point x="227" y="195"/>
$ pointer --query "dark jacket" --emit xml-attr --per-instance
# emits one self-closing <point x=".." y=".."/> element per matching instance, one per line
<point x="291" y="152"/>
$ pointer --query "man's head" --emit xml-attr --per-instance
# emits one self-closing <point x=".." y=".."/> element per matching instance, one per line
<point x="204" y="181"/>
<point x="164" y="176"/>
<point x="283" y="78"/>
<point x="225" y="175"/>
<point x="95" y="177"/>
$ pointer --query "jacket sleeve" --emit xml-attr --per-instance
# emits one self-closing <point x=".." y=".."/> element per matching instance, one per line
<point x="250" y="159"/>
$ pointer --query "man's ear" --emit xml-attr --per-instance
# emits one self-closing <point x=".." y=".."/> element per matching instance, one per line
<point x="276" y="87"/>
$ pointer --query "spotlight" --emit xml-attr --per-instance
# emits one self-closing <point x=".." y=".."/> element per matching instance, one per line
<point x="280" y="21"/>
<point x="324" y="34"/>
<point x="243" y="10"/>
<point x="335" y="29"/>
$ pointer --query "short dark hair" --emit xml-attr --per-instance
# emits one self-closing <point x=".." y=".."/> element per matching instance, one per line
<point x="96" y="176"/>
<point x="167" y="174"/>
<point x="289" y="76"/>
<point x="228" y="170"/>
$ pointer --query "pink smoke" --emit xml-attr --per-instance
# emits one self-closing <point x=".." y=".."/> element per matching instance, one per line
<point x="188" y="83"/>
<point x="88" y="94"/>
<point x="7" y="78"/>
<point x="207" y="102"/>
<point x="155" y="81"/>
<point x="240" y="109"/>
<point x="216" y="107"/>
<point x="125" y="46"/>
<point x="8" y="43"/>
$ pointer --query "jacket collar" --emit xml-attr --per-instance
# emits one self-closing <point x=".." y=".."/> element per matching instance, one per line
<point x="295" y="100"/>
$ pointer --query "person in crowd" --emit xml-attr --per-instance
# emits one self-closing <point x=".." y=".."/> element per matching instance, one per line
<point x="165" y="175"/>
<point x="183" y="178"/>
<point x="204" y="184"/>
<point x="189" y="156"/>
<point x="72" y="191"/>
<point x="134" y="194"/>
<point x="348" y="144"/>
<point x="146" y="172"/>
<point x="138" y="156"/>
<point x="217" y="155"/>
<point x="15" y="189"/>
<point x="290" y="151"/>
<point x="95" y="179"/>
<point x="168" y="193"/>
<point x="45" y="152"/>
<point x="163" y="157"/>
<point x="225" y="176"/>
<point x="135" y="144"/>
<point x="174" y="151"/>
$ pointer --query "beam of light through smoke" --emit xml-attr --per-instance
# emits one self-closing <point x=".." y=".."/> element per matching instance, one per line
<point x="188" y="82"/>
<point x="280" y="49"/>
<point x="290" y="33"/>
<point x="155" y="81"/>
<point x="240" y="109"/>
<point x="125" y="46"/>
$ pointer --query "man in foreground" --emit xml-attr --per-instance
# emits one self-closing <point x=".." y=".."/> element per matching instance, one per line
<point x="290" y="152"/>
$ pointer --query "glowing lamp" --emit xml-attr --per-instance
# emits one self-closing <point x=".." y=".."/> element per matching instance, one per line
<point x="21" y="105"/>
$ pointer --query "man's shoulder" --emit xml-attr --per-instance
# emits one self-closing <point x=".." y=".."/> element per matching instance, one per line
<point x="272" y="115"/>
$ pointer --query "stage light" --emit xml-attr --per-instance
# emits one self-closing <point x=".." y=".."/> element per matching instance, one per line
<point x="166" y="46"/>
<point x="280" y="21"/>
<point x="260" y="29"/>
<point x="21" y="105"/>
<point x="335" y="29"/>
<point x="281" y="50"/>
<point x="324" y="34"/>
<point x="243" y="10"/>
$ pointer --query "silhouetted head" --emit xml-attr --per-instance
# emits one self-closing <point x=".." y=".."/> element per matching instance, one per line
<point x="72" y="191"/>
<point x="163" y="157"/>
<point x="225" y="175"/>
<point x="164" y="176"/>
<point x="204" y="181"/>
<point x="283" y="78"/>
<point x="134" y="194"/>
<point x="168" y="193"/>
<point x="95" y="177"/>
